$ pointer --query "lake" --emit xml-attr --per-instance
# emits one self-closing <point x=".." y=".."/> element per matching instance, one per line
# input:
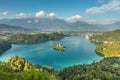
<point x="79" y="51"/>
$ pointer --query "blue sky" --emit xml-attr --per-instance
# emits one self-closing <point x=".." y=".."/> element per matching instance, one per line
<point x="92" y="11"/>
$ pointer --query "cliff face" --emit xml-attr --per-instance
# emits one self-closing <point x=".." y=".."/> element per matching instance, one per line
<point x="4" y="46"/>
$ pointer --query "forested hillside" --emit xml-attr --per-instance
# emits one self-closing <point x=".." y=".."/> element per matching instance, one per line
<point x="107" y="36"/>
<point x="35" y="37"/>
<point x="107" y="69"/>
<point x="110" y="46"/>
<point x="17" y="68"/>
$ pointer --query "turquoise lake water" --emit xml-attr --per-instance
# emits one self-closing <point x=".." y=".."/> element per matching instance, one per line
<point x="79" y="51"/>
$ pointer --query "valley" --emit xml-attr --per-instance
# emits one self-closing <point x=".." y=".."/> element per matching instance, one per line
<point x="59" y="39"/>
<point x="39" y="46"/>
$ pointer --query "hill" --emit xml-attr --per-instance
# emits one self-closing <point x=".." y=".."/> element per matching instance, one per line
<point x="107" y="69"/>
<point x="47" y="24"/>
<point x="110" y="46"/>
<point x="35" y="37"/>
<point x="17" y="68"/>
<point x="107" y="36"/>
<point x="4" y="27"/>
<point x="42" y="24"/>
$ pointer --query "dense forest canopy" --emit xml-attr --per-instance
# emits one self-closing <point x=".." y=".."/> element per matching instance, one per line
<point x="17" y="68"/>
<point x="107" y="69"/>
<point x="111" y="43"/>
<point x="107" y="36"/>
<point x="35" y="37"/>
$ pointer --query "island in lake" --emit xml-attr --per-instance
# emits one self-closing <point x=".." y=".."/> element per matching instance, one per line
<point x="59" y="47"/>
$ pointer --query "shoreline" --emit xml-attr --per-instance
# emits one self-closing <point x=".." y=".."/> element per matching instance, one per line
<point x="4" y="46"/>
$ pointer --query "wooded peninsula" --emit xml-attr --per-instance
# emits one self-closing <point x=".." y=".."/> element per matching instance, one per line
<point x="109" y="43"/>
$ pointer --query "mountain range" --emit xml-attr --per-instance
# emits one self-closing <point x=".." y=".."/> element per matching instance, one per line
<point x="5" y="27"/>
<point x="47" y="24"/>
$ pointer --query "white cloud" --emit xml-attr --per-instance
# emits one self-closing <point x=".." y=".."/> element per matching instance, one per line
<point x="74" y="18"/>
<point x="5" y="12"/>
<point x="39" y="14"/>
<point x="113" y="5"/>
<point x="91" y="21"/>
<point x="23" y="15"/>
<point x="52" y="15"/>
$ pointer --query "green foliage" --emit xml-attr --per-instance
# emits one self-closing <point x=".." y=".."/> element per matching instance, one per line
<point x="104" y="70"/>
<point x="111" y="43"/>
<point x="107" y="36"/>
<point x="6" y="73"/>
<point x="35" y="37"/>
<point x="109" y="50"/>
<point x="19" y="64"/>
<point x="38" y="75"/>
<point x="59" y="47"/>
<point x="11" y="71"/>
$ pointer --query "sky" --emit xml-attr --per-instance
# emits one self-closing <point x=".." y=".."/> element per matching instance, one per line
<point x="91" y="11"/>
